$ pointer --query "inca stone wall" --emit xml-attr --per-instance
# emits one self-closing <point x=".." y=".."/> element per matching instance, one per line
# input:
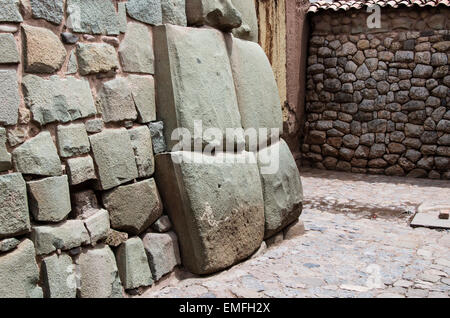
<point x="92" y="201"/>
<point x="378" y="100"/>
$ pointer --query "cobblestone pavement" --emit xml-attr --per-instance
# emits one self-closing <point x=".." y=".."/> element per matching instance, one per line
<point x="373" y="253"/>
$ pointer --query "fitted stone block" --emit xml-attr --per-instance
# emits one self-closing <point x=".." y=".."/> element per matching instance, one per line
<point x="133" y="265"/>
<point x="157" y="133"/>
<point x="282" y="187"/>
<point x="174" y="12"/>
<point x="14" y="216"/>
<point x="58" y="99"/>
<point x="96" y="58"/>
<point x="64" y="236"/>
<point x="72" y="140"/>
<point x="8" y="244"/>
<point x="99" y="274"/>
<point x="98" y="226"/>
<point x="9" y="11"/>
<point x="19" y="274"/>
<point x="49" y="199"/>
<point x="256" y="88"/>
<point x="147" y="11"/>
<point x="194" y="81"/>
<point x="162" y="252"/>
<point x="133" y="208"/>
<point x="116" y="101"/>
<point x="8" y="49"/>
<point x="9" y="95"/>
<point x="92" y="16"/>
<point x="220" y="14"/>
<point x="136" y="50"/>
<point x="44" y="52"/>
<point x="37" y="156"/>
<point x="5" y="157"/>
<point x="59" y="276"/>
<point x="143" y="92"/>
<point x="143" y="152"/>
<point x="217" y="207"/>
<point x="114" y="157"/>
<point x="50" y="10"/>
<point x="80" y="170"/>
<point x="249" y="28"/>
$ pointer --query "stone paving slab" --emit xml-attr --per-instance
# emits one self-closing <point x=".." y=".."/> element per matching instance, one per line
<point x="341" y="254"/>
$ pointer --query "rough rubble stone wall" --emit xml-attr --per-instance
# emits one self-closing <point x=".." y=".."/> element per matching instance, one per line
<point x="378" y="101"/>
<point x="86" y="203"/>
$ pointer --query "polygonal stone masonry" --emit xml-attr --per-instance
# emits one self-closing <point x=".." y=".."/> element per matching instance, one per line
<point x="49" y="199"/>
<point x="282" y="187"/>
<point x="38" y="156"/>
<point x="194" y="81"/>
<point x="116" y="102"/>
<point x="143" y="151"/>
<point x="96" y="58"/>
<point x="133" y="208"/>
<point x="14" y="216"/>
<point x="217" y="207"/>
<point x="58" y="99"/>
<point x="133" y="265"/>
<point x="80" y="170"/>
<point x="72" y="140"/>
<point x="256" y="88"/>
<point x="98" y="226"/>
<point x="99" y="273"/>
<point x="9" y="95"/>
<point x="64" y="236"/>
<point x="114" y="157"/>
<point x="59" y="276"/>
<point x="5" y="156"/>
<point x="136" y="50"/>
<point x="8" y="49"/>
<point x="147" y="11"/>
<point x="162" y="252"/>
<point x="19" y="273"/>
<point x="49" y="10"/>
<point x="44" y="52"/>
<point x="92" y="16"/>
<point x="143" y="92"/>
<point x="220" y="14"/>
<point x="174" y="12"/>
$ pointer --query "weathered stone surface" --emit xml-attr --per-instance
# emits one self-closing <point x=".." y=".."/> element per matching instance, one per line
<point x="9" y="95"/>
<point x="134" y="269"/>
<point x="50" y="10"/>
<point x="113" y="155"/>
<point x="404" y="56"/>
<point x="362" y="72"/>
<point x="115" y="238"/>
<point x="282" y="188"/>
<point x="5" y="157"/>
<point x="64" y="236"/>
<point x="136" y="50"/>
<point x="14" y="217"/>
<point x="8" y="244"/>
<point x="80" y="170"/>
<point x="59" y="277"/>
<point x="58" y="99"/>
<point x="9" y="11"/>
<point x="94" y="125"/>
<point x="98" y="226"/>
<point x="143" y="152"/>
<point x="157" y="133"/>
<point x="212" y="228"/>
<point x="346" y="49"/>
<point x="72" y="140"/>
<point x="37" y="156"/>
<point x="99" y="274"/>
<point x="96" y="58"/>
<point x="49" y="199"/>
<point x="174" y="12"/>
<point x="72" y="65"/>
<point x="249" y="28"/>
<point x="220" y="14"/>
<point x="8" y="49"/>
<point x="44" y="52"/>
<point x="423" y="71"/>
<point x="256" y="88"/>
<point x="92" y="16"/>
<point x="84" y="203"/>
<point x="147" y="11"/>
<point x="19" y="274"/>
<point x="143" y="92"/>
<point x="187" y="66"/>
<point x="116" y="101"/>
<point x="133" y="208"/>
<point x="162" y="225"/>
<point x="162" y="253"/>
